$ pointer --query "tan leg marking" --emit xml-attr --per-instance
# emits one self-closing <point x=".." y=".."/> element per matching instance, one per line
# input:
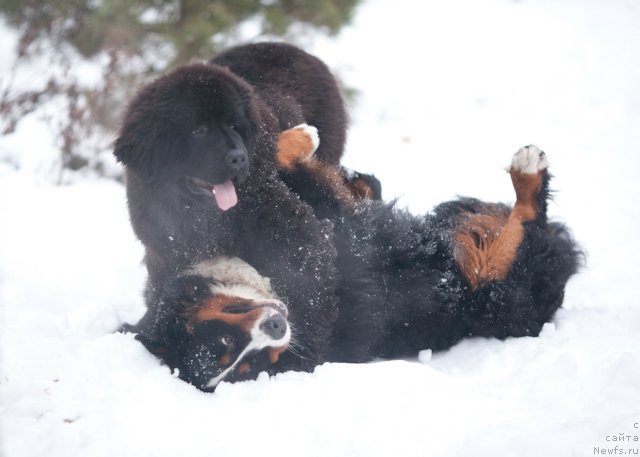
<point x="360" y="189"/>
<point x="295" y="146"/>
<point x="295" y="149"/>
<point x="329" y="177"/>
<point x="486" y="244"/>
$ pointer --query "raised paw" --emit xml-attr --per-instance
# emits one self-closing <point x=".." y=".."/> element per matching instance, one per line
<point x="312" y="133"/>
<point x="530" y="160"/>
<point x="530" y="180"/>
<point x="296" y="145"/>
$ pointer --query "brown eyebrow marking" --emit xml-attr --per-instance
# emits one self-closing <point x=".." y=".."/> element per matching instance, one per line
<point x="213" y="309"/>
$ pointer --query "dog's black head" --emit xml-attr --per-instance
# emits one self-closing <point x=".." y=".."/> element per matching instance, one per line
<point x="217" y="321"/>
<point x="194" y="128"/>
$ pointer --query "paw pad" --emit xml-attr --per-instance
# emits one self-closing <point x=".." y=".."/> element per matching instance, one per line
<point x="529" y="159"/>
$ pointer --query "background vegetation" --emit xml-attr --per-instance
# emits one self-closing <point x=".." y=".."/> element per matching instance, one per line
<point x="133" y="41"/>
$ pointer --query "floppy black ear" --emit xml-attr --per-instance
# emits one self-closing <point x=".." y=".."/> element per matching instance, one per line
<point x="162" y="329"/>
<point x="145" y="150"/>
<point x="127" y="150"/>
<point x="137" y="134"/>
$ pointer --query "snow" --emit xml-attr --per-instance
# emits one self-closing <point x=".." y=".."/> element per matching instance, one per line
<point x="448" y="92"/>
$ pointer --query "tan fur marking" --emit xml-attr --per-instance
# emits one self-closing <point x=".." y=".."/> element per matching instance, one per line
<point x="244" y="368"/>
<point x="359" y="188"/>
<point x="212" y="309"/>
<point x="295" y="149"/>
<point x="294" y="146"/>
<point x="274" y="353"/>
<point x="330" y="178"/>
<point x="486" y="244"/>
<point x="225" y="360"/>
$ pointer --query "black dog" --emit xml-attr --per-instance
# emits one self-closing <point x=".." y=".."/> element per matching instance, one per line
<point x="406" y="283"/>
<point x="199" y="148"/>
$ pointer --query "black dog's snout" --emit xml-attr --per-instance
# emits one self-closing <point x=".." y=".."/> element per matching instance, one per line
<point x="275" y="326"/>
<point x="237" y="159"/>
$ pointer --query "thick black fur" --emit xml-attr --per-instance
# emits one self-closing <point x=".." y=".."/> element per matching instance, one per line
<point x="183" y="130"/>
<point x="297" y="88"/>
<point x="401" y="290"/>
<point x="360" y="283"/>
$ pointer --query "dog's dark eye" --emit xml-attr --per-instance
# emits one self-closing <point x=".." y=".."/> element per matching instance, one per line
<point x="226" y="340"/>
<point x="200" y="130"/>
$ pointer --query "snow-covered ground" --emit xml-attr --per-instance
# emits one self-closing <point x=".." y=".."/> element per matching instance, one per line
<point x="448" y="91"/>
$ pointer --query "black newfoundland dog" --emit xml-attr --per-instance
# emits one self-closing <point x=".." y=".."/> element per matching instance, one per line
<point x="218" y="172"/>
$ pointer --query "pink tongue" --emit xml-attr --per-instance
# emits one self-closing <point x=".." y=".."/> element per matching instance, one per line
<point x="225" y="195"/>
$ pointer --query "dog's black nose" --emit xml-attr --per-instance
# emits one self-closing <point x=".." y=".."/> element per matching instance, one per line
<point x="275" y="326"/>
<point x="237" y="159"/>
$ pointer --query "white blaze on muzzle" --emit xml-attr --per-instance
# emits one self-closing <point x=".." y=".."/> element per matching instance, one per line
<point x="234" y="277"/>
<point x="259" y="341"/>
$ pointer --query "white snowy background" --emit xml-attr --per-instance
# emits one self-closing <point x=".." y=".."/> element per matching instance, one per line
<point x="448" y="91"/>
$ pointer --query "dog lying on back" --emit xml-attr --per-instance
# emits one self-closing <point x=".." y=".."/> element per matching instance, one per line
<point x="406" y="283"/>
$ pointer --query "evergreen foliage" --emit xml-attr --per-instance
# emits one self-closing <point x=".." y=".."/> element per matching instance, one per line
<point x="190" y="26"/>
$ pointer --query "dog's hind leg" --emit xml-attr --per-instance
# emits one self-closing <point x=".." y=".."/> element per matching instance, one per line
<point x="317" y="181"/>
<point x="485" y="245"/>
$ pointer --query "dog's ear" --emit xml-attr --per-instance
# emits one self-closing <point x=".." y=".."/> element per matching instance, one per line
<point x="139" y="149"/>
<point x="162" y="329"/>
<point x="189" y="291"/>
<point x="127" y="150"/>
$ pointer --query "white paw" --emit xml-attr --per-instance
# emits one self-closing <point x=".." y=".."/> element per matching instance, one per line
<point x="312" y="132"/>
<point x="529" y="159"/>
